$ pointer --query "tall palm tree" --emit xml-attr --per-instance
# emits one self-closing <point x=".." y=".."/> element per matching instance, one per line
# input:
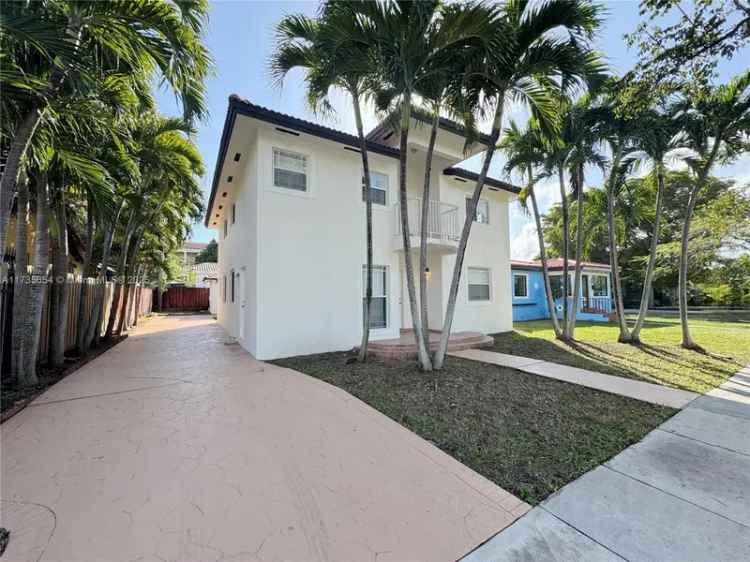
<point x="414" y="41"/>
<point x="657" y="142"/>
<point x="717" y="124"/>
<point x="61" y="48"/>
<point x="528" y="47"/>
<point x="524" y="151"/>
<point x="334" y="56"/>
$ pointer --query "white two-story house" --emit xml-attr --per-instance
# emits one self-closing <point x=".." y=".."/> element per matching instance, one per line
<point x="287" y="201"/>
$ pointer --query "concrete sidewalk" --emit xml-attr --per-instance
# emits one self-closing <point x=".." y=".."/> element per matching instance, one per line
<point x="645" y="391"/>
<point x="175" y="446"/>
<point x="682" y="494"/>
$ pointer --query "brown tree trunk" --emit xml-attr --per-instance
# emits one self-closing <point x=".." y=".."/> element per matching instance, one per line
<point x="58" y="320"/>
<point x="646" y="294"/>
<point x="368" y="230"/>
<point x="19" y="341"/>
<point x="424" y="220"/>
<point x="439" y="359"/>
<point x="39" y="279"/>
<point x="85" y="288"/>
<point x="579" y="253"/>
<point x="422" y="352"/>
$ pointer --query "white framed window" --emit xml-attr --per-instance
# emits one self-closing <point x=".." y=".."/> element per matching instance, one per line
<point x="482" y="214"/>
<point x="379" y="301"/>
<point x="520" y="285"/>
<point x="289" y="170"/>
<point x="226" y="228"/>
<point x="378" y="188"/>
<point x="599" y="286"/>
<point x="234" y="213"/>
<point x="479" y="284"/>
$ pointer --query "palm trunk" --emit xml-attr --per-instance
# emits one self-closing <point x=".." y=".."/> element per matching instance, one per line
<point x="565" y="242"/>
<point x="40" y="266"/>
<point x="368" y="230"/>
<point x="687" y="340"/>
<point x="579" y="253"/>
<point x="614" y="260"/>
<point x="138" y="294"/>
<point x="18" y="147"/>
<point x="59" y="302"/>
<point x="94" y="330"/>
<point x="424" y="219"/>
<point x="463" y="241"/>
<point x="543" y="256"/>
<point x="85" y="288"/>
<point x="422" y="352"/>
<point x="649" y="277"/>
<point x="113" y="311"/>
<point x="129" y="287"/>
<point x="21" y="281"/>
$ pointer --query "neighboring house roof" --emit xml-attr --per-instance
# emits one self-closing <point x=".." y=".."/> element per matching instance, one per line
<point x="557" y="265"/>
<point x="206" y="270"/>
<point x="193" y="246"/>
<point x="240" y="106"/>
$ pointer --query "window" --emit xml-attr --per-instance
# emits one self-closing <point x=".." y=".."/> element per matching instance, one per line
<point x="378" y="188"/>
<point x="234" y="213"/>
<point x="556" y="284"/>
<point x="479" y="284"/>
<point x="521" y="285"/>
<point x="483" y="211"/>
<point x="289" y="170"/>
<point x="599" y="286"/>
<point x="224" y="291"/>
<point x="233" y="285"/>
<point x="226" y="228"/>
<point x="379" y="302"/>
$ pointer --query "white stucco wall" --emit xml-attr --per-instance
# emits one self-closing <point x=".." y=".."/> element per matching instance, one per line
<point x="302" y="254"/>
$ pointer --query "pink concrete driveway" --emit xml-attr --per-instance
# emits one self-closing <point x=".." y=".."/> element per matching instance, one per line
<point x="175" y="446"/>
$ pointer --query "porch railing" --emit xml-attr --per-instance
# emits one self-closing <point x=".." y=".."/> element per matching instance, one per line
<point x="442" y="220"/>
<point x="597" y="305"/>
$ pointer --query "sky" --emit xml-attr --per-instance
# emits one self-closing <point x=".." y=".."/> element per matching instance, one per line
<point x="240" y="37"/>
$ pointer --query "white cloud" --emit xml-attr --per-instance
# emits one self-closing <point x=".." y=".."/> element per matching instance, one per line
<point x="525" y="245"/>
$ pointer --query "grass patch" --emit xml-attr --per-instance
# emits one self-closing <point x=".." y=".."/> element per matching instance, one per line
<point x="659" y="360"/>
<point x="528" y="434"/>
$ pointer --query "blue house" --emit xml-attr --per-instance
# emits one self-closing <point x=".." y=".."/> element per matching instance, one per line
<point x="529" y="302"/>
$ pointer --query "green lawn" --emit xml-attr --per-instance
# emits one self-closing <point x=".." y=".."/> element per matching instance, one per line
<point x="660" y="359"/>
<point x="529" y="434"/>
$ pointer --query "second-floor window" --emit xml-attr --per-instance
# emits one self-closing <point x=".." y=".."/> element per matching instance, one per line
<point x="378" y="188"/>
<point x="289" y="170"/>
<point x="482" y="214"/>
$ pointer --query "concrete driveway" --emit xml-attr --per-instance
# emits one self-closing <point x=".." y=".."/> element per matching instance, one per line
<point x="175" y="446"/>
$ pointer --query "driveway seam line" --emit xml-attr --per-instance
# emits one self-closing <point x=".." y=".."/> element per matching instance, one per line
<point x="103" y="394"/>
<point x="678" y="434"/>
<point x="698" y="406"/>
<point x="625" y="474"/>
<point x="604" y="546"/>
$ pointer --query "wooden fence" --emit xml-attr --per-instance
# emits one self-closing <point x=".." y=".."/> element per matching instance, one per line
<point x="185" y="298"/>
<point x="76" y="299"/>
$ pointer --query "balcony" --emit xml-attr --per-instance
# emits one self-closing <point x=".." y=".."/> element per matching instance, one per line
<point x="442" y="225"/>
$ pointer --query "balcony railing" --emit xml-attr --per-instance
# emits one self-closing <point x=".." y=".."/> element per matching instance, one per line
<point x="442" y="219"/>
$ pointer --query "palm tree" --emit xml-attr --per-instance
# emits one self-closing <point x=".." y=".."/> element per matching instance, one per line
<point x="524" y="151"/>
<point x="63" y="49"/>
<point x="657" y="142"/>
<point x="415" y="43"/>
<point x="526" y="51"/>
<point x="334" y="56"/>
<point x="717" y="124"/>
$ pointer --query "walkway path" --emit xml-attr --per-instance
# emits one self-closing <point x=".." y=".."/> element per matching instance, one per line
<point x="648" y="392"/>
<point x="682" y="494"/>
<point x="174" y="446"/>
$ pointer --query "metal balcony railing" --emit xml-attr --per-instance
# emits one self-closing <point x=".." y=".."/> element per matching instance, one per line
<point x="442" y="220"/>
